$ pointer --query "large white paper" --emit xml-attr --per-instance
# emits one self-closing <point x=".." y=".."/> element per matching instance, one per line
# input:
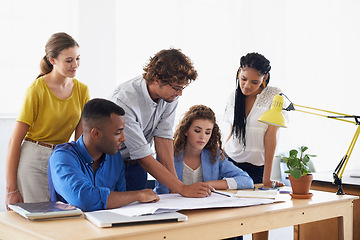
<point x="175" y="202"/>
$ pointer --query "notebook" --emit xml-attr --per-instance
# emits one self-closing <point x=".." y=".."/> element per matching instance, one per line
<point x="108" y="219"/>
<point x="45" y="210"/>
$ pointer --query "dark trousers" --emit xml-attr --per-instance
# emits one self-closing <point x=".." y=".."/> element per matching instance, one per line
<point x="255" y="172"/>
<point x="136" y="176"/>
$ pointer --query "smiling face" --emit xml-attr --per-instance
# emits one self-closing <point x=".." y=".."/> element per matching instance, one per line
<point x="199" y="134"/>
<point x="250" y="81"/>
<point x="67" y="62"/>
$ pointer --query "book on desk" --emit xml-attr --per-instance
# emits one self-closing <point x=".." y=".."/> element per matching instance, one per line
<point x="45" y="210"/>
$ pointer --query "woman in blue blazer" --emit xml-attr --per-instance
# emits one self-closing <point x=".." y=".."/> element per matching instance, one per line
<point x="199" y="156"/>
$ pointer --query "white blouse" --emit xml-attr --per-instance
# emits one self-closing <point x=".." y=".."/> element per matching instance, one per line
<point x="191" y="176"/>
<point x="255" y="130"/>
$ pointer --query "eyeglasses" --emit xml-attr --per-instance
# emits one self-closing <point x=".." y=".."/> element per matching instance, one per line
<point x="178" y="89"/>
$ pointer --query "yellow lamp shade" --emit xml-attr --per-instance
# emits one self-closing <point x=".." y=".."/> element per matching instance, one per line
<point x="274" y="116"/>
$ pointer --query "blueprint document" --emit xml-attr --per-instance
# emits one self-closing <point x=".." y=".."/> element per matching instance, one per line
<point x="175" y="202"/>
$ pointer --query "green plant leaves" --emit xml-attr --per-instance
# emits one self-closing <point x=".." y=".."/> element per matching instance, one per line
<point x="303" y="148"/>
<point x="306" y="158"/>
<point x="295" y="173"/>
<point x="293" y="153"/>
<point x="293" y="163"/>
<point x="296" y="164"/>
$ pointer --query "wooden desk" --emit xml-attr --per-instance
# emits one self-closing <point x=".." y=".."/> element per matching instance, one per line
<point x="201" y="224"/>
<point x="327" y="229"/>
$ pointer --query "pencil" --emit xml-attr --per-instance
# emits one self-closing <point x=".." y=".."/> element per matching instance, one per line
<point x="221" y="193"/>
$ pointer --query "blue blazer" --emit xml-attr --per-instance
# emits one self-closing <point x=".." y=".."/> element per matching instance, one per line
<point x="211" y="171"/>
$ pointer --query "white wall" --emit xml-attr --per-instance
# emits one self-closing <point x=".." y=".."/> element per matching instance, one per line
<point x="313" y="47"/>
<point x="25" y="28"/>
<point x="97" y="31"/>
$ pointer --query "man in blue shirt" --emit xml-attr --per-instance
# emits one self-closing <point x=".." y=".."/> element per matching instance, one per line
<point x="89" y="173"/>
<point x="150" y="103"/>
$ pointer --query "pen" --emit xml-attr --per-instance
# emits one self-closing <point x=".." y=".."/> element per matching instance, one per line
<point x="221" y="193"/>
<point x="265" y="188"/>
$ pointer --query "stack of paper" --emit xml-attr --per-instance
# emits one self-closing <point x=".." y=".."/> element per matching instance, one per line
<point x="270" y="194"/>
<point x="175" y="202"/>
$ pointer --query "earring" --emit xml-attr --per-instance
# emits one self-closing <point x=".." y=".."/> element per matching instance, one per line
<point x="264" y="84"/>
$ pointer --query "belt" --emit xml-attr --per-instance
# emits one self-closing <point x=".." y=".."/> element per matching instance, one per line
<point x="44" y="144"/>
<point x="130" y="162"/>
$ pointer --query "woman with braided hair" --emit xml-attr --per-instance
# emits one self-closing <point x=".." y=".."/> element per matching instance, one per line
<point x="251" y="144"/>
<point x="199" y="156"/>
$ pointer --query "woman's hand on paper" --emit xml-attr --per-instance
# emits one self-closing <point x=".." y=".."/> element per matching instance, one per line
<point x="197" y="190"/>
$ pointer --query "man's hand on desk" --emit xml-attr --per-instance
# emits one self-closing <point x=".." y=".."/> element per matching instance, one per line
<point x="198" y="190"/>
<point x="148" y="195"/>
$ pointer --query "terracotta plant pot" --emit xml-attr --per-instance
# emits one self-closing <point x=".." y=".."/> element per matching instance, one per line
<point x="302" y="185"/>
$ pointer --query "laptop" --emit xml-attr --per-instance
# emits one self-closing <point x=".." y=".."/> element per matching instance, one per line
<point x="110" y="219"/>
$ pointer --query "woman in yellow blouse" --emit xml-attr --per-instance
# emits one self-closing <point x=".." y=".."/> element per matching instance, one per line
<point x="49" y="116"/>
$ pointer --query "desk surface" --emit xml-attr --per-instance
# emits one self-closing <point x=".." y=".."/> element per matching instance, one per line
<point x="324" y="181"/>
<point x="208" y="223"/>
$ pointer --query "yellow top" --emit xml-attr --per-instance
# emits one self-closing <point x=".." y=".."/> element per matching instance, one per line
<point x="51" y="119"/>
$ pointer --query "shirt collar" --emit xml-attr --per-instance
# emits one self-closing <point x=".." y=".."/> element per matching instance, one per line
<point x="88" y="159"/>
<point x="148" y="99"/>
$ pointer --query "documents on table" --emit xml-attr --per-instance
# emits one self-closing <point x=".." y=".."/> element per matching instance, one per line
<point x="176" y="202"/>
<point x="266" y="194"/>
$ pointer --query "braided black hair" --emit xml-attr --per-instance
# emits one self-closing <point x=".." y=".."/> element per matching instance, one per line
<point x="261" y="64"/>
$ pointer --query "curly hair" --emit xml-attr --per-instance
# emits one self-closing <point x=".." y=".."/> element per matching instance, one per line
<point x="170" y="66"/>
<point x="194" y="113"/>
<point x="261" y="64"/>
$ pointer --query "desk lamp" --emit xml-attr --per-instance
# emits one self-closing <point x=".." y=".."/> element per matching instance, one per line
<point x="275" y="117"/>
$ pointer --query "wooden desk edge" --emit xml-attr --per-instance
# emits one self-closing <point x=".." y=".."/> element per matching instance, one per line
<point x="248" y="219"/>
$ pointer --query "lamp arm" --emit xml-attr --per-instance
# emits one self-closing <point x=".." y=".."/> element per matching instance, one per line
<point x="356" y="118"/>
<point x="339" y="170"/>
<point x="340" y="115"/>
<point x="349" y="151"/>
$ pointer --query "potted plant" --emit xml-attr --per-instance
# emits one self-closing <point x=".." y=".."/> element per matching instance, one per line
<point x="299" y="173"/>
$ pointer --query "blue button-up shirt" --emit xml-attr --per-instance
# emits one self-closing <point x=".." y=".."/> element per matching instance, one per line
<point x="144" y="118"/>
<point x="71" y="175"/>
